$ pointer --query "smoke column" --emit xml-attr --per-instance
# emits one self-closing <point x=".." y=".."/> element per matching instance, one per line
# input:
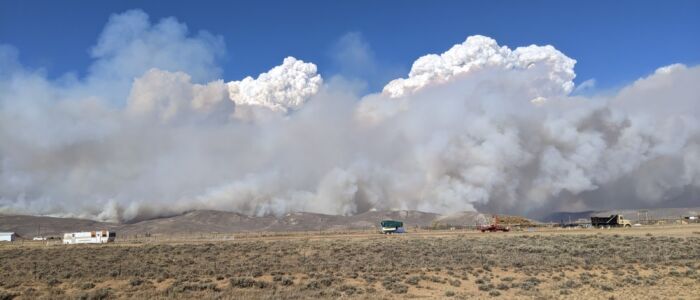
<point x="152" y="130"/>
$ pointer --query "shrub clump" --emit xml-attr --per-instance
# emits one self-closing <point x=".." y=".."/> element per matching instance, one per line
<point x="241" y="282"/>
<point x="7" y="295"/>
<point x="245" y="282"/>
<point x="391" y="283"/>
<point x="135" y="281"/>
<point x="53" y="282"/>
<point x="96" y="295"/>
<point x="413" y="280"/>
<point x="319" y="283"/>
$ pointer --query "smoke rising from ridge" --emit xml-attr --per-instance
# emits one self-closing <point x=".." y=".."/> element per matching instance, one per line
<point x="151" y="131"/>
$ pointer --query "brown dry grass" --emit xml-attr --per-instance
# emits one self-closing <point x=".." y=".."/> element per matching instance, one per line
<point x="659" y="263"/>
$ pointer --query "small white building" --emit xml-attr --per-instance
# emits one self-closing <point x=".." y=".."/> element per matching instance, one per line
<point x="7" y="236"/>
<point x="89" y="237"/>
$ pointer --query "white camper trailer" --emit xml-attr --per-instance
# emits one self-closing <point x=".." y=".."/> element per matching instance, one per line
<point x="7" y="236"/>
<point x="89" y="237"/>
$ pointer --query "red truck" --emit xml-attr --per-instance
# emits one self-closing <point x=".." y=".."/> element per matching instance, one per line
<point x="494" y="227"/>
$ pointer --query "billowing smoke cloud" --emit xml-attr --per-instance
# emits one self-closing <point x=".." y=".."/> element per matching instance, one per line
<point x="165" y="95"/>
<point x="284" y="88"/>
<point x="130" y="45"/>
<point x="480" y="52"/>
<point x="151" y="130"/>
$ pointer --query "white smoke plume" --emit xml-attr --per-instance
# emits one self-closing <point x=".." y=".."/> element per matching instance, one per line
<point x="152" y="130"/>
<point x="165" y="95"/>
<point x="286" y="87"/>
<point x="480" y="52"/>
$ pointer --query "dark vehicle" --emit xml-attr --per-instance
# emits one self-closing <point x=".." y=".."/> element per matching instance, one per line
<point x="391" y="226"/>
<point x="611" y="221"/>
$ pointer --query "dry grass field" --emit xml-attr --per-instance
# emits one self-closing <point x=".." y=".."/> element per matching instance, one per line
<point x="636" y="263"/>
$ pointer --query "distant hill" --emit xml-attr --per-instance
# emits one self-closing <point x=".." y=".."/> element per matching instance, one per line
<point x="566" y="217"/>
<point x="207" y="221"/>
<point x="30" y="226"/>
<point x="630" y="214"/>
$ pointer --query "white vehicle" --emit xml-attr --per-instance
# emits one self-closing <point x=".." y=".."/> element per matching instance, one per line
<point x="89" y="237"/>
<point x="7" y="236"/>
<point x="39" y="238"/>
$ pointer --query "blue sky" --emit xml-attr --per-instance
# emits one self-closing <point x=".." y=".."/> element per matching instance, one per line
<point x="613" y="41"/>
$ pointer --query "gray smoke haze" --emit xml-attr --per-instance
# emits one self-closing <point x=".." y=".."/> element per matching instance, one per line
<point x="152" y="130"/>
